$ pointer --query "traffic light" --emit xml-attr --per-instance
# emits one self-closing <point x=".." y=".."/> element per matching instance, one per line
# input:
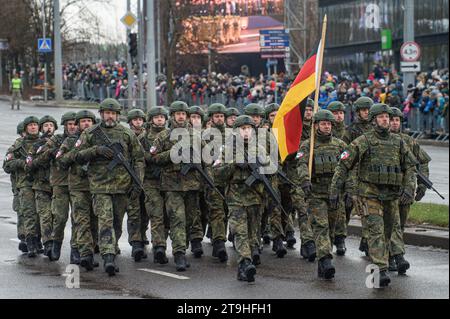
<point x="133" y="45"/>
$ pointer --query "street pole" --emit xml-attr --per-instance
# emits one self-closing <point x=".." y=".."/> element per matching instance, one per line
<point x="140" y="54"/>
<point x="275" y="79"/>
<point x="158" y="33"/>
<point x="151" y="81"/>
<point x="45" y="54"/>
<point x="58" y="53"/>
<point x="408" y="35"/>
<point x="1" y="70"/>
<point x="130" y="72"/>
<point x="209" y="58"/>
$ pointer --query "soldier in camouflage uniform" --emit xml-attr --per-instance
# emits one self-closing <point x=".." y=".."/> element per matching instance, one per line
<point x="85" y="222"/>
<point x="60" y="188"/>
<point x="360" y="125"/>
<point x="423" y="160"/>
<point x="244" y="203"/>
<point x="16" y="162"/>
<point x="154" y="199"/>
<point x="181" y="192"/>
<point x="231" y="116"/>
<point x="327" y="150"/>
<point x="339" y="129"/>
<point x="218" y="209"/>
<point x="307" y="120"/>
<point x="41" y="184"/>
<point x="137" y="223"/>
<point x="386" y="172"/>
<point x="110" y="189"/>
<point x="16" y="198"/>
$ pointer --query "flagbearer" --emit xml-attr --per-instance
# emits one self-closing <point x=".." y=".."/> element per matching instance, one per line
<point x="327" y="150"/>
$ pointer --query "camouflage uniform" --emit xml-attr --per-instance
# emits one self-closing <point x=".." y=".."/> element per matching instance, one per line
<point x="386" y="170"/>
<point x="16" y="162"/>
<point x="327" y="150"/>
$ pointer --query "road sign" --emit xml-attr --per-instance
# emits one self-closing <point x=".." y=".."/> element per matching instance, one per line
<point x="129" y="20"/>
<point x="386" y="39"/>
<point x="44" y="45"/>
<point x="4" y="44"/>
<point x="410" y="52"/>
<point x="410" y="66"/>
<point x="274" y="38"/>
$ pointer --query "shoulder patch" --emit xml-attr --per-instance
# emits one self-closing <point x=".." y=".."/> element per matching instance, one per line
<point x="153" y="150"/>
<point x="300" y="155"/>
<point x="9" y="157"/>
<point x="78" y="143"/>
<point x="345" y="155"/>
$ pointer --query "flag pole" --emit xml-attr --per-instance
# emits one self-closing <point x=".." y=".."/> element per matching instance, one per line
<point x="316" y="99"/>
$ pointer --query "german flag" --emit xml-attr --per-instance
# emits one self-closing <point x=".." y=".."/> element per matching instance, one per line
<point x="288" y="124"/>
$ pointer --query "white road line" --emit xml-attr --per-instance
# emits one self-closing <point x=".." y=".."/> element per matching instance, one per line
<point x="15" y="240"/>
<point x="163" y="273"/>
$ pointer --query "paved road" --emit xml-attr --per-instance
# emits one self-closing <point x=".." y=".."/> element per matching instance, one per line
<point x="290" y="278"/>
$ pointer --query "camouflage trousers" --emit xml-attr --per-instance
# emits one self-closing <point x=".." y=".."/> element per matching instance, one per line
<point x="341" y="223"/>
<point x="28" y="209"/>
<point x="382" y="218"/>
<point x="295" y="196"/>
<point x="323" y="222"/>
<point x="275" y="219"/>
<point x="204" y="210"/>
<point x="244" y="226"/>
<point x="44" y="210"/>
<point x="110" y="210"/>
<point x="404" y="213"/>
<point x="61" y="204"/>
<point x="184" y="219"/>
<point x="134" y="220"/>
<point x="20" y="219"/>
<point x="85" y="222"/>
<point x="154" y="203"/>
<point x="217" y="215"/>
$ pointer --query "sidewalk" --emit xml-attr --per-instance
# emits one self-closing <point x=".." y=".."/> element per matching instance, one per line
<point x="66" y="104"/>
<point x="422" y="236"/>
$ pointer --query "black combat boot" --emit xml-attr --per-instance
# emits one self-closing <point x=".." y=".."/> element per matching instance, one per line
<point x="56" y="251"/>
<point x="256" y="256"/>
<point x="339" y="241"/>
<point x="137" y="250"/>
<point x="87" y="262"/>
<point x="96" y="249"/>
<point x="308" y="251"/>
<point x="384" y="279"/>
<point x="74" y="256"/>
<point x="31" y="245"/>
<point x="220" y="251"/>
<point x="267" y="239"/>
<point x="326" y="269"/>
<point x="39" y="246"/>
<point x="364" y="246"/>
<point x="402" y="264"/>
<point x="196" y="248"/>
<point x="278" y="248"/>
<point x="109" y="264"/>
<point x="145" y="243"/>
<point x="392" y="264"/>
<point x="159" y="256"/>
<point x="48" y="248"/>
<point x="246" y="271"/>
<point x="181" y="263"/>
<point x="290" y="239"/>
<point x="23" y="246"/>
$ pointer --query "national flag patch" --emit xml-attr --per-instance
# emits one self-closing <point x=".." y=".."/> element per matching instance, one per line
<point x="29" y="160"/>
<point x="153" y="150"/>
<point x="78" y="143"/>
<point x="40" y="149"/>
<point x="300" y="155"/>
<point x="59" y="154"/>
<point x="345" y="155"/>
<point x="9" y="157"/>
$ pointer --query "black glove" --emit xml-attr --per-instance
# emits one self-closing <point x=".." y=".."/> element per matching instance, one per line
<point x="420" y="193"/>
<point x="348" y="202"/>
<point x="307" y="188"/>
<point x="334" y="201"/>
<point x="105" y="152"/>
<point x="406" y="198"/>
<point x="242" y="165"/>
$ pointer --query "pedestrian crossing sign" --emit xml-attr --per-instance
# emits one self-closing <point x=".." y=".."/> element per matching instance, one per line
<point x="44" y="45"/>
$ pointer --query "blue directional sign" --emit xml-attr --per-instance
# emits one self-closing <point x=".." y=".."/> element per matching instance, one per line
<point x="274" y="38"/>
<point x="44" y="45"/>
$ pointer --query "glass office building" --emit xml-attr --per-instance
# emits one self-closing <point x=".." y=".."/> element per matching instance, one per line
<point x="355" y="26"/>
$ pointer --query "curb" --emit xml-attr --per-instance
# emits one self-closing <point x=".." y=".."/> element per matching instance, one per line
<point x="68" y="106"/>
<point x="433" y="143"/>
<point x="416" y="236"/>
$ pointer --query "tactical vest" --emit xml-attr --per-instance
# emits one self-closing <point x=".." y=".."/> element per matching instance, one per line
<point x="326" y="159"/>
<point x="382" y="163"/>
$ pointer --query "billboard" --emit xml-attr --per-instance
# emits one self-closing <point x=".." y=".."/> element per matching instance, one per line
<point x="232" y="26"/>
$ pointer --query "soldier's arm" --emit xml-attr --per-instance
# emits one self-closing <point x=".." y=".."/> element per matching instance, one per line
<point x="348" y="161"/>
<point x="85" y="151"/>
<point x="303" y="163"/>
<point x="423" y="158"/>
<point x="137" y="155"/>
<point x="409" y="164"/>
<point x="66" y="154"/>
<point x="160" y="155"/>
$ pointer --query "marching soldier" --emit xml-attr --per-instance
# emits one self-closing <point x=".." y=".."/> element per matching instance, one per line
<point x="386" y="172"/>
<point x="137" y="223"/>
<point x="360" y="125"/>
<point x="231" y="116"/>
<point x="154" y="199"/>
<point x="327" y="150"/>
<point x="86" y="224"/>
<point x="181" y="192"/>
<point x="111" y="189"/>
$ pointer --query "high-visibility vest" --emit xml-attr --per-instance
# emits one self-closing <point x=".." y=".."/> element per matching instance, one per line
<point x="16" y="84"/>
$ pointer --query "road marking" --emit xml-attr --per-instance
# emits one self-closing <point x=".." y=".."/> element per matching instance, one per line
<point x="163" y="273"/>
<point x="15" y="240"/>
